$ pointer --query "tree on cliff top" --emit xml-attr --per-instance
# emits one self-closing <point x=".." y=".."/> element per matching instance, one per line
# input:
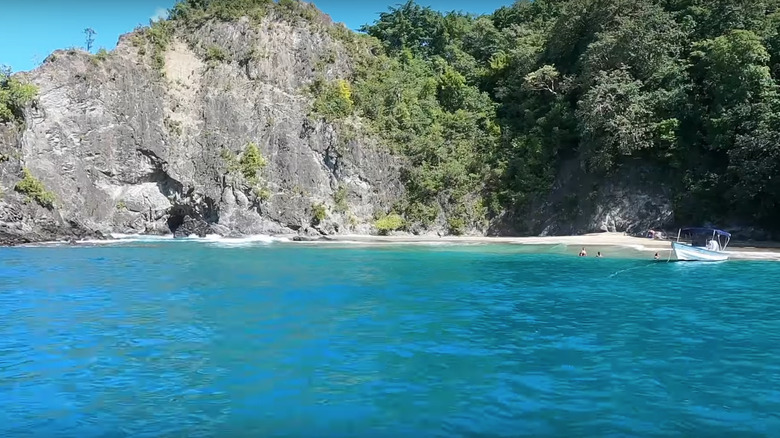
<point x="90" y="38"/>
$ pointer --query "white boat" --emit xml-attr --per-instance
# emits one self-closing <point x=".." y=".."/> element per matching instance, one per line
<point x="706" y="245"/>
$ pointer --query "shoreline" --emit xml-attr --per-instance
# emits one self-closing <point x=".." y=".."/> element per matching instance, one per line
<point x="592" y="242"/>
<point x="612" y="245"/>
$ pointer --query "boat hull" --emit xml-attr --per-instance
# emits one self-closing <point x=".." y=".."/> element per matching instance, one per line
<point x="688" y="253"/>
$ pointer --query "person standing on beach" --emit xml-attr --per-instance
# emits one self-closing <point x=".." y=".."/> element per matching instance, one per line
<point x="583" y="253"/>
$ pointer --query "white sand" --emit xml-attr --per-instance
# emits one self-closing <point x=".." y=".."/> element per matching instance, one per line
<point x="596" y="239"/>
<point x="603" y="242"/>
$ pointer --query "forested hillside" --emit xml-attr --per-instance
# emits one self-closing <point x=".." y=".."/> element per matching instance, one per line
<point x="499" y="104"/>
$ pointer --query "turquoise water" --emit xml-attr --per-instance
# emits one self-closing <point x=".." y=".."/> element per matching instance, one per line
<point x="191" y="339"/>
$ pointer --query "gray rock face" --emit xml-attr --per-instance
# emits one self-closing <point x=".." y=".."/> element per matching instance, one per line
<point x="126" y="149"/>
<point x="632" y="200"/>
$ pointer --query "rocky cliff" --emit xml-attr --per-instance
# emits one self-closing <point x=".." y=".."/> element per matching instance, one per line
<point x="151" y="139"/>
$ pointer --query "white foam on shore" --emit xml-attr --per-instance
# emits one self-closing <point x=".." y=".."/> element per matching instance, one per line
<point x="386" y="243"/>
<point x="211" y="239"/>
<point x="258" y="239"/>
<point x="129" y="238"/>
<point x="639" y="247"/>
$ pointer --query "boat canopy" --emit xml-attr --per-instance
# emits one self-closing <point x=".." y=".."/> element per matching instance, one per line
<point x="708" y="231"/>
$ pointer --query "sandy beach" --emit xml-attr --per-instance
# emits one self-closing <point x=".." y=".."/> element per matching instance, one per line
<point x="607" y="243"/>
<point x="611" y="245"/>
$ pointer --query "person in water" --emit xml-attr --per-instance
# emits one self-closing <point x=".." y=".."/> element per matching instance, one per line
<point x="656" y="256"/>
<point x="598" y="254"/>
<point x="583" y="253"/>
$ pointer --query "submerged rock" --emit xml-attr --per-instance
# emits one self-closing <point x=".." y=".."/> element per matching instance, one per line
<point x="192" y="226"/>
<point x="312" y="239"/>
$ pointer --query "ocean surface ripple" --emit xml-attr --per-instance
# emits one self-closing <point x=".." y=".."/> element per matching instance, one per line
<point x="187" y="339"/>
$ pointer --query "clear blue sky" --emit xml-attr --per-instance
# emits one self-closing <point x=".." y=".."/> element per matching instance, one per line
<point x="31" y="29"/>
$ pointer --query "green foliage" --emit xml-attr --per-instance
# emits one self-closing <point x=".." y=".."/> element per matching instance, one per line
<point x="159" y="34"/>
<point x="100" y="56"/>
<point x="546" y="79"/>
<point x="249" y="166"/>
<point x="137" y="39"/>
<point x="429" y="111"/>
<point x="15" y="94"/>
<point x="215" y="53"/>
<point x="251" y="162"/>
<point x="457" y="225"/>
<point x="409" y="26"/>
<point x="614" y="118"/>
<point x="35" y="190"/>
<point x="231" y="161"/>
<point x="333" y="100"/>
<point x="120" y="205"/>
<point x="421" y="213"/>
<point x="262" y="193"/>
<point x="196" y="12"/>
<point x="492" y="108"/>
<point x="352" y="221"/>
<point x="390" y="222"/>
<point x="319" y="213"/>
<point x="293" y="10"/>
<point x="325" y="60"/>
<point x="340" y="199"/>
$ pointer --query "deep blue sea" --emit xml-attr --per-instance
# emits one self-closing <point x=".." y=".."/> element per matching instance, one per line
<point x="192" y="339"/>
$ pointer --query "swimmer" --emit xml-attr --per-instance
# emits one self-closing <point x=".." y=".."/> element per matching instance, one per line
<point x="583" y="253"/>
<point x="656" y="256"/>
<point x="598" y="254"/>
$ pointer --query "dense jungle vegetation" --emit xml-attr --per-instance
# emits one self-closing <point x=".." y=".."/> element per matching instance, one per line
<point x="495" y="104"/>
